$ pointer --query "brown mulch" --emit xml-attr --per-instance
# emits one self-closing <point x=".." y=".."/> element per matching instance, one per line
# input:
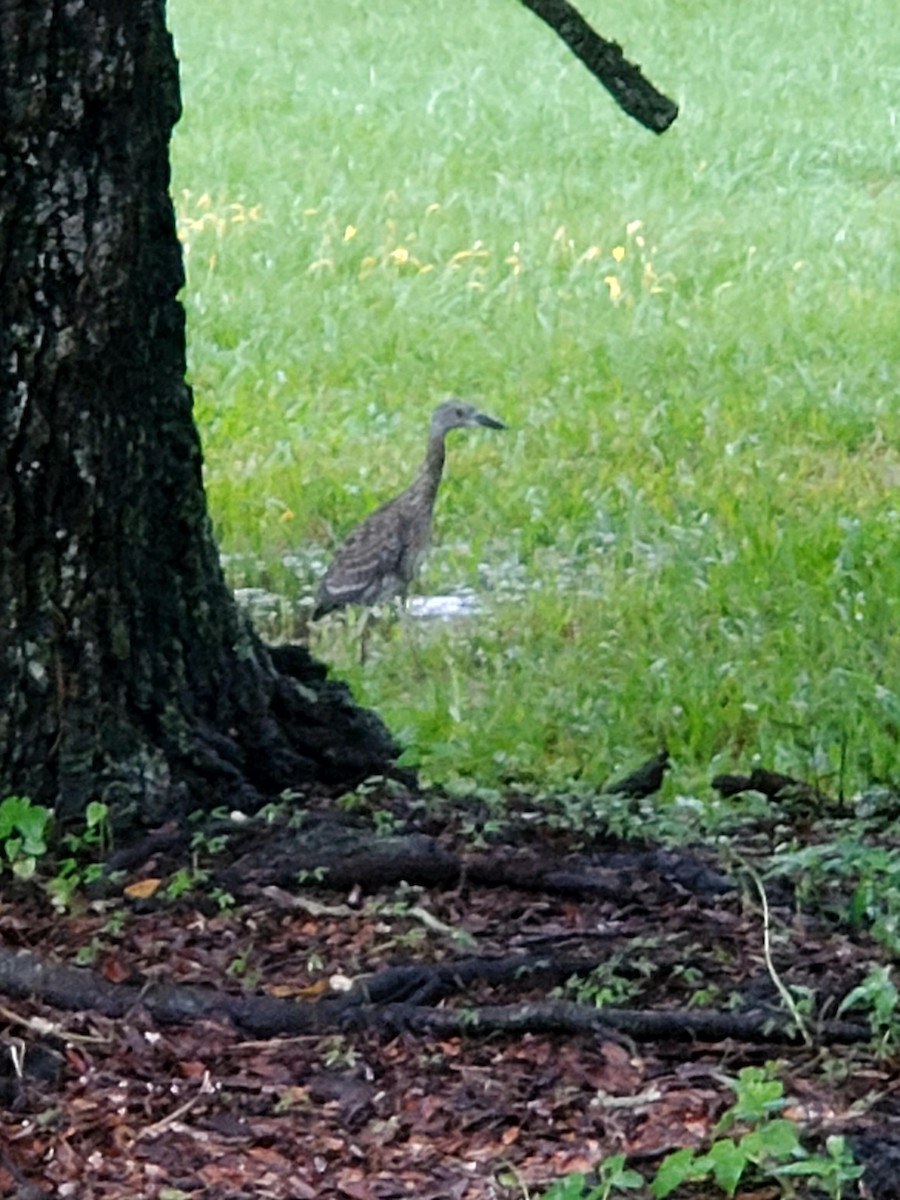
<point x="109" y="1107"/>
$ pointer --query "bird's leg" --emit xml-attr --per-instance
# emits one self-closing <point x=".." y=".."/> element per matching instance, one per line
<point x="409" y="631"/>
<point x="362" y="633"/>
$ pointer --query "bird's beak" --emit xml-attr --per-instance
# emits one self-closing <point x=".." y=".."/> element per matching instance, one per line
<point x="489" y="422"/>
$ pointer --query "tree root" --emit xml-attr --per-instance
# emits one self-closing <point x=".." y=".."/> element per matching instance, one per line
<point x="379" y="1004"/>
<point x="343" y="857"/>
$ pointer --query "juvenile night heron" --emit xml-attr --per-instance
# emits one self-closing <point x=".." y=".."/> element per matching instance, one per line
<point x="380" y="557"/>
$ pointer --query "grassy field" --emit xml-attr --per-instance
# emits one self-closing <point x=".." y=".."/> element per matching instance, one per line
<point x="690" y="533"/>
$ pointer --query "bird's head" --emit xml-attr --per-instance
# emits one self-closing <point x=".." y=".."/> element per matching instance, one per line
<point x="457" y="414"/>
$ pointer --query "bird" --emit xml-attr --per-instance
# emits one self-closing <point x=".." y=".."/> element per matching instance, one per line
<point x="380" y="557"/>
<point x="644" y="780"/>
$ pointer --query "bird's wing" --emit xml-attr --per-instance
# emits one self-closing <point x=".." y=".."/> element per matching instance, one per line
<point x="371" y="556"/>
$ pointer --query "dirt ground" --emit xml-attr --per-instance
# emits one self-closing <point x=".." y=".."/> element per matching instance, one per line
<point x="488" y="1085"/>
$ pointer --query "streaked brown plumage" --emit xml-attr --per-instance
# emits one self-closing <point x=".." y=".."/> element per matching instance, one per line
<point x="380" y="557"/>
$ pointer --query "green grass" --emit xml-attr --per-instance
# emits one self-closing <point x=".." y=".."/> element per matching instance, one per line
<point x="690" y="532"/>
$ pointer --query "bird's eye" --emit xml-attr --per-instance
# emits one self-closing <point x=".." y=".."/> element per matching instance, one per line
<point x="460" y="412"/>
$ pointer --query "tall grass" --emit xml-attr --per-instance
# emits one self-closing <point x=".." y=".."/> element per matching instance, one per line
<point x="690" y="533"/>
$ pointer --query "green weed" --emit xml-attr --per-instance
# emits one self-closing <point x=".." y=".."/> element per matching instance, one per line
<point x="81" y="861"/>
<point x="612" y="1177"/>
<point x="750" y="1141"/>
<point x="63" y="868"/>
<point x="24" y="829"/>
<point x="848" y="876"/>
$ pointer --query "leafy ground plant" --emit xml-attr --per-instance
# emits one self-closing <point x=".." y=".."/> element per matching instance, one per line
<point x="763" y="1143"/>
<point x="879" y="994"/>
<point x="611" y="1177"/>
<point x="24" y="829"/>
<point x="750" y="1141"/>
<point x="66" y="864"/>
<point x="83" y="852"/>
<point x="854" y="876"/>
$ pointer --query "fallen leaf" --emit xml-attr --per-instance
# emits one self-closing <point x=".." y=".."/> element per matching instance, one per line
<point x="115" y="970"/>
<point x="143" y="889"/>
<point x="311" y="992"/>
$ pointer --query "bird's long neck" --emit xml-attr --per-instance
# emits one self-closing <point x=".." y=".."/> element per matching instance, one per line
<point x="432" y="468"/>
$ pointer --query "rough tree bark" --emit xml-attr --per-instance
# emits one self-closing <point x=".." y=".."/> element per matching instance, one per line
<point x="126" y="672"/>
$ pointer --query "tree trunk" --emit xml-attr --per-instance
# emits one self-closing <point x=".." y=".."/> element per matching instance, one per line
<point x="127" y="674"/>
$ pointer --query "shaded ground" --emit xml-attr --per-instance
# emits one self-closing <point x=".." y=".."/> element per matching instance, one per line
<point x="130" y="1107"/>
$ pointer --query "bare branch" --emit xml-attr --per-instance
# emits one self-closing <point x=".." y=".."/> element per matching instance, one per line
<point x="622" y="79"/>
